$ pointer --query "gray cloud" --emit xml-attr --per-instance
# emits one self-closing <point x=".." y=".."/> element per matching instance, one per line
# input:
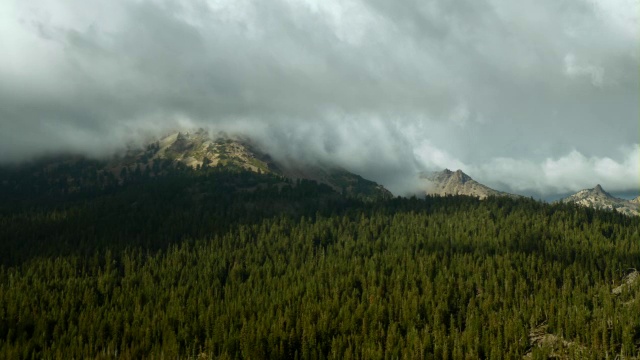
<point x="386" y="89"/>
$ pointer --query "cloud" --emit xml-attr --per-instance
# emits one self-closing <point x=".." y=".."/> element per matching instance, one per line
<point x="361" y="84"/>
<point x="567" y="173"/>
<point x="573" y="69"/>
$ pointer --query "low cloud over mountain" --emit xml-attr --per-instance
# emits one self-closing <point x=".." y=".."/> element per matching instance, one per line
<point x="538" y="98"/>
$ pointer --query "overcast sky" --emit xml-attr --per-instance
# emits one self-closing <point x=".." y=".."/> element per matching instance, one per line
<point x="536" y="97"/>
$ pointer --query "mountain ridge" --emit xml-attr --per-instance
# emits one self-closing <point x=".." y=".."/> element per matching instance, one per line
<point x="598" y="198"/>
<point x="201" y="149"/>
<point x="191" y="149"/>
<point x="447" y="182"/>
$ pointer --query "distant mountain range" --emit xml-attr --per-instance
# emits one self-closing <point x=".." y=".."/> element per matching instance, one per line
<point x="198" y="149"/>
<point x="598" y="198"/>
<point x="449" y="182"/>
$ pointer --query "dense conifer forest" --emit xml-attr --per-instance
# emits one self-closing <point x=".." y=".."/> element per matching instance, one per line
<point x="223" y="263"/>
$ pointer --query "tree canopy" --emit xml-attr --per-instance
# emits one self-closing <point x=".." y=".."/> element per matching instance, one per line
<point x="230" y="264"/>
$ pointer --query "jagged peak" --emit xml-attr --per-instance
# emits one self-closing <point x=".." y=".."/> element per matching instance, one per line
<point x="598" y="190"/>
<point x="461" y="176"/>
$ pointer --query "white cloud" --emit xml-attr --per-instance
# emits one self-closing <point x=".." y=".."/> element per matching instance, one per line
<point x="436" y="159"/>
<point x="568" y="173"/>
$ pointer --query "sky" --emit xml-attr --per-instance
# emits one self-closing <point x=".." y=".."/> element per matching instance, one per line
<point x="533" y="97"/>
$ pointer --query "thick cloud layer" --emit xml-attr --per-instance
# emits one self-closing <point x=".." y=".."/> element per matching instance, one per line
<point x="536" y="96"/>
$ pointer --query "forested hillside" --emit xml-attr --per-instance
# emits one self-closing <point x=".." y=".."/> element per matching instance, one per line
<point x="233" y="264"/>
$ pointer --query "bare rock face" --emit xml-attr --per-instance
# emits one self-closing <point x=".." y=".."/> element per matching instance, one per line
<point x="627" y="282"/>
<point x="558" y="347"/>
<point x="449" y="182"/>
<point x="197" y="148"/>
<point x="598" y="198"/>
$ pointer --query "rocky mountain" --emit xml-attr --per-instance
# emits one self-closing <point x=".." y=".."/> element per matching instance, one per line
<point x="196" y="150"/>
<point x="449" y="182"/>
<point x="199" y="149"/>
<point x="598" y="198"/>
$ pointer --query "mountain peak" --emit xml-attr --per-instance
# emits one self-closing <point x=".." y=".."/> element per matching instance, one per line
<point x="461" y="176"/>
<point x="598" y="198"/>
<point x="599" y="191"/>
<point x="198" y="149"/>
<point x="447" y="182"/>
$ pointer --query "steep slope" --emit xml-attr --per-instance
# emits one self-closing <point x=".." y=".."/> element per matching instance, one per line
<point x="449" y="182"/>
<point x="597" y="198"/>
